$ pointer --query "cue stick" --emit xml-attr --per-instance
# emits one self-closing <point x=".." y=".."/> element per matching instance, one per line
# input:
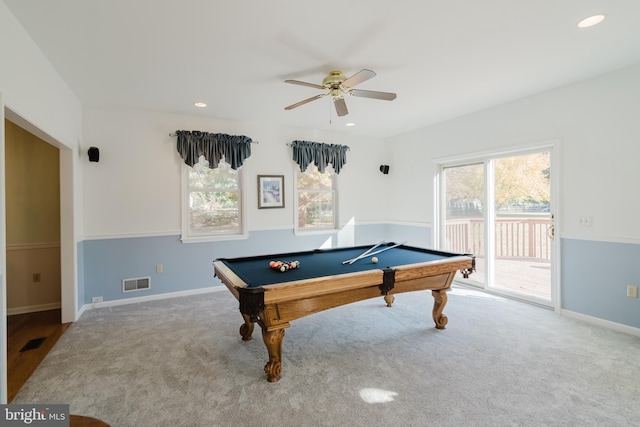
<point x="382" y="250"/>
<point x="364" y="254"/>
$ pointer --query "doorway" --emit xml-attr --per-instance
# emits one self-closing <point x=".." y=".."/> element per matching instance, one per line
<point x="33" y="259"/>
<point x="68" y="235"/>
<point x="499" y="208"/>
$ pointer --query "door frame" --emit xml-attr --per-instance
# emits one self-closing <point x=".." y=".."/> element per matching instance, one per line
<point x="68" y="246"/>
<point x="3" y="266"/>
<point x="483" y="157"/>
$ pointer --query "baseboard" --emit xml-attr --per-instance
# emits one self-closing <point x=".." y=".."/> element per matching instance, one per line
<point x="33" y="308"/>
<point x="619" y="327"/>
<point x="156" y="297"/>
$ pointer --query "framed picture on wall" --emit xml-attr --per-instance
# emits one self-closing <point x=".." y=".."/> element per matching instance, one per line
<point x="270" y="191"/>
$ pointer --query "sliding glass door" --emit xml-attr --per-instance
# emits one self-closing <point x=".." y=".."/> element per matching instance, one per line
<point x="464" y="216"/>
<point x="499" y="209"/>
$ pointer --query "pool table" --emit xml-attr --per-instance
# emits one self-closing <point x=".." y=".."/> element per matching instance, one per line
<point x="323" y="280"/>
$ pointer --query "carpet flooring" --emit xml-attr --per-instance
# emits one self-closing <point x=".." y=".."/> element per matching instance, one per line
<point x="499" y="362"/>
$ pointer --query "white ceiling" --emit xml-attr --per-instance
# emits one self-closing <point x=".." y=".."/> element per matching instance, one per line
<point x="443" y="58"/>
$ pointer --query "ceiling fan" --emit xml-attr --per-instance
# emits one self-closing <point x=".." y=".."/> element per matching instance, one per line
<point x="338" y="85"/>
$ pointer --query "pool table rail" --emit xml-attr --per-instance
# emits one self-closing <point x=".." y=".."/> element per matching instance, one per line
<point x="465" y="264"/>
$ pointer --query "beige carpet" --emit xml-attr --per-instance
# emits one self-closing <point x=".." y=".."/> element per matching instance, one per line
<point x="180" y="362"/>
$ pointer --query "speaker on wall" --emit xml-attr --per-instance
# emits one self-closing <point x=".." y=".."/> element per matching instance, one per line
<point x="384" y="169"/>
<point x="94" y="154"/>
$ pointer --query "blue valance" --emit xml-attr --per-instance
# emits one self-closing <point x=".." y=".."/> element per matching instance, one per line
<point x="214" y="147"/>
<point x="307" y="152"/>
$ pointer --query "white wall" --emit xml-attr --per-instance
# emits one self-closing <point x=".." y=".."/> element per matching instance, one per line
<point x="32" y="88"/>
<point x="597" y="124"/>
<point x="34" y="96"/>
<point x="135" y="188"/>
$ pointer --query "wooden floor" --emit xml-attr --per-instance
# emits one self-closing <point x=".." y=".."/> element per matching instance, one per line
<point x="21" y="329"/>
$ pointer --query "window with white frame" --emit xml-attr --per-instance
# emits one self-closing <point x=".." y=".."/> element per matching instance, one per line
<point x="213" y="202"/>
<point x="316" y="199"/>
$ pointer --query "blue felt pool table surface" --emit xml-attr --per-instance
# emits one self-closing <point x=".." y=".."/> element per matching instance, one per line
<point x="255" y="271"/>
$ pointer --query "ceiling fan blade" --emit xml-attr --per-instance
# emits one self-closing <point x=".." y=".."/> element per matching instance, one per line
<point x="386" y="96"/>
<point x="298" y="82"/>
<point x="359" y="77"/>
<point x="297" y="104"/>
<point x="341" y="106"/>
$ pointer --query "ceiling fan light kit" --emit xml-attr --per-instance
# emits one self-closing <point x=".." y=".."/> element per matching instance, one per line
<point x="338" y="85"/>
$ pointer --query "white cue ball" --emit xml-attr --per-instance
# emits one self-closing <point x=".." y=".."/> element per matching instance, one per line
<point x="374" y="260"/>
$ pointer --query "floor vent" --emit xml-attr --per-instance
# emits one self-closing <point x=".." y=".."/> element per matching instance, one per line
<point x="137" y="284"/>
<point x="33" y="344"/>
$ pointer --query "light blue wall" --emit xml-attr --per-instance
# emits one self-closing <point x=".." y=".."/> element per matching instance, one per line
<point x="187" y="266"/>
<point x="80" y="256"/>
<point x="595" y="276"/>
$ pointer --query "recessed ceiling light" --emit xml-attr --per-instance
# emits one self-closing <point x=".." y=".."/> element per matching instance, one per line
<point x="591" y="21"/>
<point x="200" y="104"/>
<point x="350" y="124"/>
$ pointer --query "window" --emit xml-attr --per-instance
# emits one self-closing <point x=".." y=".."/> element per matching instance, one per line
<point x="316" y="199"/>
<point x="213" y="202"/>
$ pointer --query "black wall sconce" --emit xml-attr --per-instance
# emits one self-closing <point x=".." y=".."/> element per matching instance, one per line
<point x="384" y="169"/>
<point x="94" y="154"/>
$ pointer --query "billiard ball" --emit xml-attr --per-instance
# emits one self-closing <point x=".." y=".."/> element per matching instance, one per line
<point x="374" y="260"/>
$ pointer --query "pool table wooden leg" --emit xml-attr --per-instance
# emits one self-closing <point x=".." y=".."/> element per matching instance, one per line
<point x="440" y="300"/>
<point x="246" y="329"/>
<point x="273" y="340"/>
<point x="389" y="299"/>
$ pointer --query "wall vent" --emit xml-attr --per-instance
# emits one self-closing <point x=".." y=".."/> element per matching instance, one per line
<point x="137" y="284"/>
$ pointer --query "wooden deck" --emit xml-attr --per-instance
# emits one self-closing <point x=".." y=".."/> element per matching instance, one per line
<point x="522" y="247"/>
<point x="529" y="277"/>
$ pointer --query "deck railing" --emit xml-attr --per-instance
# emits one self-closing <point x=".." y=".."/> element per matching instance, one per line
<point x="514" y="237"/>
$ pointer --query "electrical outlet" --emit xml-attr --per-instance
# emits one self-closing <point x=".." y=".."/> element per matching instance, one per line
<point x="632" y="291"/>
<point x="96" y="299"/>
<point x="585" y="221"/>
<point x="159" y="268"/>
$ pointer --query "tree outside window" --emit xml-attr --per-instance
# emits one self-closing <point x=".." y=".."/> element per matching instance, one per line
<point x="213" y="200"/>
<point x="316" y="198"/>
